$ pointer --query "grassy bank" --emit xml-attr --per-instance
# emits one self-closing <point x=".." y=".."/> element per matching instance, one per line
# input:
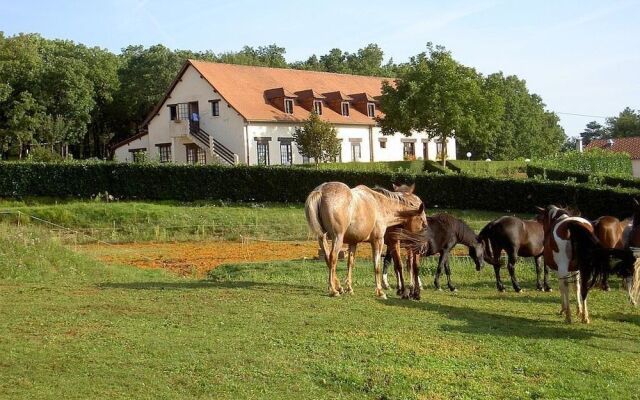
<point x="72" y="327"/>
<point x="174" y="221"/>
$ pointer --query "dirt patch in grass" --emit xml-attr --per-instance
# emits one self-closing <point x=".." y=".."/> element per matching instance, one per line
<point x="197" y="258"/>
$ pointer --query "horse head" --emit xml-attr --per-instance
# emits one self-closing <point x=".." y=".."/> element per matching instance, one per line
<point x="476" y="252"/>
<point x="550" y="215"/>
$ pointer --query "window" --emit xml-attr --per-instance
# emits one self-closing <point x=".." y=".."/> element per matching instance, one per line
<point x="356" y="154"/>
<point x="439" y="148"/>
<point x="425" y="150"/>
<point x="345" y="108"/>
<point x="371" y="109"/>
<point x="383" y="144"/>
<point x="306" y="160"/>
<point x="195" y="155"/>
<point x="263" y="153"/>
<point x="339" y="157"/>
<point x="164" y="150"/>
<point x="288" y="106"/>
<point x="183" y="112"/>
<point x="317" y="107"/>
<point x="286" y="157"/>
<point x="173" y="112"/>
<point x="215" y="108"/>
<point x="138" y="155"/>
<point x="409" y="150"/>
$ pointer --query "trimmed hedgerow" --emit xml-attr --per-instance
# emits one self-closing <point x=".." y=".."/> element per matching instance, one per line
<point x="536" y="171"/>
<point x="594" y="161"/>
<point x="292" y="184"/>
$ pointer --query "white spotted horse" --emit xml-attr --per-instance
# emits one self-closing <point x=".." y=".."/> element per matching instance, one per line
<point x="576" y="254"/>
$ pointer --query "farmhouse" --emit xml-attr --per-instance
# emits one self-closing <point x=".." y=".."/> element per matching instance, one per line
<point x="630" y="145"/>
<point x="243" y="114"/>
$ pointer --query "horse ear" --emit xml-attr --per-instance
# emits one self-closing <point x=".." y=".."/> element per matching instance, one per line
<point x="540" y="209"/>
<point x="395" y="187"/>
<point x="635" y="203"/>
<point x="412" y="187"/>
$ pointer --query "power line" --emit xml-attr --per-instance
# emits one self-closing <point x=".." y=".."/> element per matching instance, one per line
<point x="581" y="115"/>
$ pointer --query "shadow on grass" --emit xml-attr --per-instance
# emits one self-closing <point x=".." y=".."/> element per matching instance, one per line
<point x="622" y="317"/>
<point x="483" y="322"/>
<point x="202" y="284"/>
<point x="546" y="298"/>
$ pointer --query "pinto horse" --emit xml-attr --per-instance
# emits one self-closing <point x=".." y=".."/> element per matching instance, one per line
<point x="413" y="224"/>
<point x="575" y="253"/>
<point x="442" y="233"/>
<point x="351" y="216"/>
<point x="518" y="238"/>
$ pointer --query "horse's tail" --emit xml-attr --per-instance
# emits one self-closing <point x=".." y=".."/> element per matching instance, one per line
<point x="591" y="257"/>
<point x="311" y="211"/>
<point x="485" y="237"/>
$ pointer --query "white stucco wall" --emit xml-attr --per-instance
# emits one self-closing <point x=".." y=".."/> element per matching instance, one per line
<point x="395" y="146"/>
<point x="227" y="128"/>
<point x="123" y="153"/>
<point x="635" y="164"/>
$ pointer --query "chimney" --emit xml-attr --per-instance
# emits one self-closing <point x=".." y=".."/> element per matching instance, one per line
<point x="579" y="145"/>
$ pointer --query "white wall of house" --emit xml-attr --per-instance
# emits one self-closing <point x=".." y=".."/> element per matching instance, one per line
<point x="124" y="152"/>
<point x="227" y="128"/>
<point x="635" y="164"/>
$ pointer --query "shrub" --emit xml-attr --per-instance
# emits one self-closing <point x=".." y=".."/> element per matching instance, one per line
<point x="269" y="184"/>
<point x="594" y="161"/>
<point x="534" y="171"/>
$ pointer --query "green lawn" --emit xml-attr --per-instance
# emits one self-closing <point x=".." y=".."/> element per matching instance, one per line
<point x="71" y="327"/>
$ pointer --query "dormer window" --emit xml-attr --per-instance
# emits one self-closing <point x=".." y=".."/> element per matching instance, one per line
<point x="345" y="108"/>
<point x="371" y="110"/>
<point x="317" y="107"/>
<point x="288" y="106"/>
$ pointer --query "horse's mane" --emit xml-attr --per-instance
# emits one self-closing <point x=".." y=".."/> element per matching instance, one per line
<point x="396" y="196"/>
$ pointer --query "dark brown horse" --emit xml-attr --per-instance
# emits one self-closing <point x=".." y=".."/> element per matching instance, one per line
<point x="443" y="233"/>
<point x="413" y="224"/>
<point x="610" y="231"/>
<point x="518" y="238"/>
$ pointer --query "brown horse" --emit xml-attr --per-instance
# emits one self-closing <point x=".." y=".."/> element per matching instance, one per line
<point x="351" y="216"/>
<point x="610" y="231"/>
<point x="518" y="238"/>
<point x="413" y="224"/>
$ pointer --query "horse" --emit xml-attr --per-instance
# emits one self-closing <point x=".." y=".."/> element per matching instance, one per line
<point x="344" y="215"/>
<point x="575" y="253"/>
<point x="442" y="233"/>
<point x="413" y="224"/>
<point x="518" y="238"/>
<point x="610" y="231"/>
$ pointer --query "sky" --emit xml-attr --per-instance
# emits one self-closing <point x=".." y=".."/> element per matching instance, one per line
<point x="581" y="57"/>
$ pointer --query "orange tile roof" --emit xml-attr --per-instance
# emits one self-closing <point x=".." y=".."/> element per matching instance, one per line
<point x="244" y="87"/>
<point x="629" y="145"/>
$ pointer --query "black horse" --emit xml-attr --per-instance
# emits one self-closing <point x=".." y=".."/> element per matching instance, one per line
<point x="442" y="233"/>
<point x="518" y="238"/>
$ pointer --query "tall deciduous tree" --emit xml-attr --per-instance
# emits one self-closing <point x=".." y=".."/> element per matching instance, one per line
<point x="627" y="123"/>
<point x="317" y="139"/>
<point x="437" y="95"/>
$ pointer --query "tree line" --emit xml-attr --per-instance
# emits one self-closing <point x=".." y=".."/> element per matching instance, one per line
<point x="58" y="93"/>
<point x="625" y="124"/>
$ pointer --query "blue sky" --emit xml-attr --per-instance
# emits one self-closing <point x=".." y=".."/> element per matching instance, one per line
<point x="582" y="57"/>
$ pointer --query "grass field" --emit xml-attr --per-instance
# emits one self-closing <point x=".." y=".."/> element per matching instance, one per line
<point x="172" y="221"/>
<point x="74" y="327"/>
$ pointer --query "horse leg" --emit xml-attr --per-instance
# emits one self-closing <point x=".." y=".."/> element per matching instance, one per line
<point x="512" y="258"/>
<point x="376" y="247"/>
<point x="447" y="270"/>
<point x="579" y="296"/>
<point x="397" y="267"/>
<point x="385" y="267"/>
<point x="499" y="284"/>
<point x="536" y="261"/>
<point x="436" y="280"/>
<point x="351" y="259"/>
<point x="416" y="288"/>
<point x="566" y="307"/>
<point x="334" y="285"/>
<point x="584" y="292"/>
<point x="415" y="265"/>
<point x="547" y="288"/>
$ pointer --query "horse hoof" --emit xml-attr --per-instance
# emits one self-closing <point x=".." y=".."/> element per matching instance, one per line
<point x="382" y="296"/>
<point x="405" y="297"/>
<point x="453" y="290"/>
<point x="349" y="291"/>
<point x="518" y="290"/>
<point x="386" y="286"/>
<point x="334" y="294"/>
<point x="399" y="292"/>
<point x="539" y="288"/>
<point x="548" y="289"/>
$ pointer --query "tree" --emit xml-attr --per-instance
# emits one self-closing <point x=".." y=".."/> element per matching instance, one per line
<point x="437" y="95"/>
<point x="317" y="139"/>
<point x="592" y="131"/>
<point x="627" y="123"/>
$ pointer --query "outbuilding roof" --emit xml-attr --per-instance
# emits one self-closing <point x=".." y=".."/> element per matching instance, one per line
<point x="629" y="145"/>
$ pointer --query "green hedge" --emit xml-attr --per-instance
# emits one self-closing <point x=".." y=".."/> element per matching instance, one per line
<point x="488" y="168"/>
<point x="534" y="171"/>
<point x="282" y="184"/>
<point x="594" y="161"/>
